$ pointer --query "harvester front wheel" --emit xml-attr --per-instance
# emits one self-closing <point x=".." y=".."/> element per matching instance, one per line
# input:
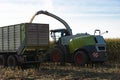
<point x="12" y="61"/>
<point x="56" y="55"/>
<point x="80" y="58"/>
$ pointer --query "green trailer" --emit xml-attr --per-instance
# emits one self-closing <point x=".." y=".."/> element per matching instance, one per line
<point x="22" y="39"/>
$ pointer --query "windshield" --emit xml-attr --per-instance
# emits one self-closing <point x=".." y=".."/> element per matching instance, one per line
<point x="57" y="34"/>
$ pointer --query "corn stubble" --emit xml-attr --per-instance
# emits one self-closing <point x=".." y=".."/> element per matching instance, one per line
<point x="50" y="71"/>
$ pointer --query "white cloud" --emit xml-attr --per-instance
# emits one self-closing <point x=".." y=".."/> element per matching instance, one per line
<point x="81" y="16"/>
<point x="15" y="11"/>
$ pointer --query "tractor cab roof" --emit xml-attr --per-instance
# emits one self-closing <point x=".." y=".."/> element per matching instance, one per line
<point x="58" y="30"/>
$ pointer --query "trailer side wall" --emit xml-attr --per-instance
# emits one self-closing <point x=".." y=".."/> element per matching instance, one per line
<point x="29" y="35"/>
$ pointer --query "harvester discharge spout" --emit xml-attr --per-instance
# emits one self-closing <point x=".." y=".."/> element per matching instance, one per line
<point x="54" y="16"/>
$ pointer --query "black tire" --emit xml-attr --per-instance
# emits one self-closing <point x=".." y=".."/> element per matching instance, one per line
<point x="12" y="61"/>
<point x="2" y="60"/>
<point x="57" y="55"/>
<point x="80" y="58"/>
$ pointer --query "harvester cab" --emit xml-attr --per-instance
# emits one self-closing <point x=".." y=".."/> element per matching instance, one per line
<point x="58" y="33"/>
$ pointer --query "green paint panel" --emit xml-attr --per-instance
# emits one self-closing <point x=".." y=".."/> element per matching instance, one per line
<point x="22" y="33"/>
<point x="79" y="42"/>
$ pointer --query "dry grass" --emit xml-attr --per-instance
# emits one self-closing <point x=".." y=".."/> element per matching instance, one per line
<point x="68" y="72"/>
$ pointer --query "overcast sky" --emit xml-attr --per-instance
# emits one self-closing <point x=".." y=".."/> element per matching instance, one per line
<point x="82" y="15"/>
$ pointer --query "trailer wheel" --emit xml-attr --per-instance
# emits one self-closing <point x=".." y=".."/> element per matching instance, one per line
<point x="12" y="61"/>
<point x="56" y="55"/>
<point x="80" y="58"/>
<point x="2" y="60"/>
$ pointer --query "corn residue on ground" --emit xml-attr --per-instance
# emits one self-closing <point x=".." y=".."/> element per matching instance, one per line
<point x="68" y="72"/>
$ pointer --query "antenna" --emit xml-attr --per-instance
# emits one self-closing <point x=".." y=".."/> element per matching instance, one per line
<point x="104" y="32"/>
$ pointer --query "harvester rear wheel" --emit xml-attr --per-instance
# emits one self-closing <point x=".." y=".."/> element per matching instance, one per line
<point x="80" y="58"/>
<point x="12" y="61"/>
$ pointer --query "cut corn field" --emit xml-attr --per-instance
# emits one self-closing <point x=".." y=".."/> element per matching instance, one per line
<point x="47" y="71"/>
